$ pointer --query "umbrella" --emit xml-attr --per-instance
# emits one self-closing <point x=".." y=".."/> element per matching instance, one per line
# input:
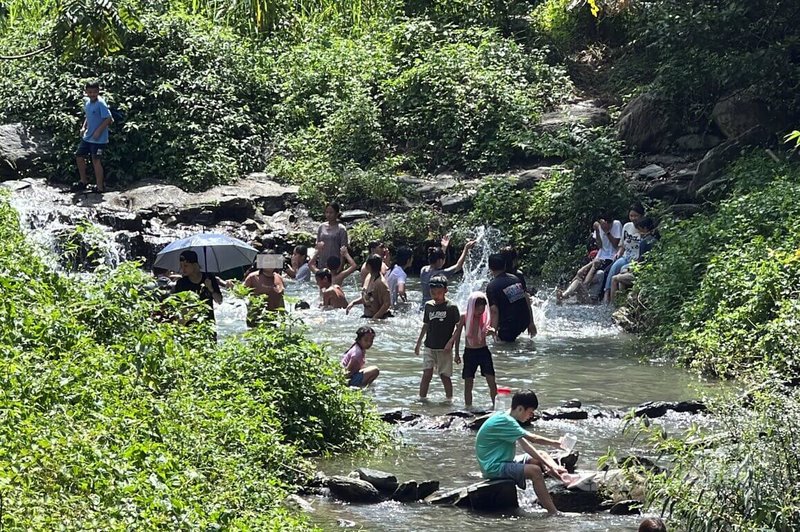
<point x="215" y="253"/>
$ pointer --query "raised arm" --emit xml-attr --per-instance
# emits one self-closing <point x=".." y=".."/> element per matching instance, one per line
<point x="351" y="265"/>
<point x="463" y="257"/>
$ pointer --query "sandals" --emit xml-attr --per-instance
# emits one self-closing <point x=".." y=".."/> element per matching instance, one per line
<point x="79" y="186"/>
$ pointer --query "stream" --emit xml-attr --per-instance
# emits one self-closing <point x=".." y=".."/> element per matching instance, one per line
<point x="579" y="353"/>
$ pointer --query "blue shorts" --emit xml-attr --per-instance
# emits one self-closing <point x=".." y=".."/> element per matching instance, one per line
<point x="90" y="148"/>
<point x="516" y="470"/>
<point x="357" y="379"/>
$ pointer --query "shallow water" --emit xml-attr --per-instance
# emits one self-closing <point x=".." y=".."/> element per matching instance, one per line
<point x="578" y="353"/>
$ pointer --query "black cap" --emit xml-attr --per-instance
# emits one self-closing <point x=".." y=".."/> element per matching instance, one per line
<point x="189" y="256"/>
<point x="438" y="281"/>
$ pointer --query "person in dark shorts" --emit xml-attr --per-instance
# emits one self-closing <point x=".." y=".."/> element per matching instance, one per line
<point x="476" y="353"/>
<point x="94" y="137"/>
<point x="509" y="304"/>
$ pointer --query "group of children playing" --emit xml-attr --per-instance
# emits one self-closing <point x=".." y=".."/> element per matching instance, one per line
<point x="442" y="328"/>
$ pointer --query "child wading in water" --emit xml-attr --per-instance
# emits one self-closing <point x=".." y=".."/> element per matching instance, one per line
<point x="355" y="360"/>
<point x="476" y="352"/>
<point x="439" y="323"/>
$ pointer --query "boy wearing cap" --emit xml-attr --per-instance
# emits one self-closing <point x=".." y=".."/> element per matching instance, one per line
<point x="201" y="283"/>
<point x="439" y="322"/>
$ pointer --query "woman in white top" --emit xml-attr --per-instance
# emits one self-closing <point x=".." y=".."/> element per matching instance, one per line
<point x="397" y="275"/>
<point x="628" y="249"/>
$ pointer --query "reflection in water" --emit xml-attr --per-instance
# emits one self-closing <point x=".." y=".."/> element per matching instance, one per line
<point x="578" y="353"/>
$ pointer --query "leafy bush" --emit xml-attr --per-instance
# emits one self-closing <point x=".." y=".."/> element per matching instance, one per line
<point x="549" y="224"/>
<point x="466" y="102"/>
<point x="115" y="418"/>
<point x="195" y="97"/>
<point x="738" y="476"/>
<point x="506" y="15"/>
<point x="721" y="289"/>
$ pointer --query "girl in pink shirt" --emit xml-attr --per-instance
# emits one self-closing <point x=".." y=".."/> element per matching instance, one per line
<point x="354" y="360"/>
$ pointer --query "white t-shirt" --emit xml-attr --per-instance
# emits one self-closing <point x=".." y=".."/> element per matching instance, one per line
<point x="630" y="241"/>
<point x="396" y="277"/>
<point x="608" y="250"/>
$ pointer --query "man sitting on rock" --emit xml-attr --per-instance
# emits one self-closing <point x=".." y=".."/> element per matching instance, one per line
<point x="496" y="442"/>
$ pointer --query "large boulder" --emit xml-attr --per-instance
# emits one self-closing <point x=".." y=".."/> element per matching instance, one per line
<point x="353" y="490"/>
<point x="644" y="124"/>
<point x="719" y="157"/>
<point x="407" y="492"/>
<point x="737" y="114"/>
<point x="574" y="500"/>
<point x="23" y="150"/>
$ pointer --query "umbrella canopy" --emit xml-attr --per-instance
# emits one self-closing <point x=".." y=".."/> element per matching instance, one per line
<point x="215" y="253"/>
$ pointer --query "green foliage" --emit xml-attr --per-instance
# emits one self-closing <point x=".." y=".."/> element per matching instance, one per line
<point x="720" y="291"/>
<point x="194" y="95"/>
<point x="549" y="224"/>
<point x="114" y="417"/>
<point x="502" y="14"/>
<point x="466" y="102"/>
<point x="697" y="52"/>
<point x="738" y="476"/>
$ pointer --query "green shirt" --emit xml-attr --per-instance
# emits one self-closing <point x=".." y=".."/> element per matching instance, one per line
<point x="496" y="442"/>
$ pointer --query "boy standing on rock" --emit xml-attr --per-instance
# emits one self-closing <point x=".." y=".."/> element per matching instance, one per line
<point x="94" y="137"/>
<point x="496" y="442"/>
<point x="439" y="322"/>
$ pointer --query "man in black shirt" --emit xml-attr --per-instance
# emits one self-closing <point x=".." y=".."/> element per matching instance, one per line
<point x="201" y="283"/>
<point x="509" y="303"/>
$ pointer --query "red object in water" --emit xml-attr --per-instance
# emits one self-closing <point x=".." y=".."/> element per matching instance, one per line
<point x="503" y="389"/>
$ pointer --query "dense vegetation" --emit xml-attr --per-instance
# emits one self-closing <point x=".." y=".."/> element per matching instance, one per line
<point x="114" y="418"/>
<point x="341" y="97"/>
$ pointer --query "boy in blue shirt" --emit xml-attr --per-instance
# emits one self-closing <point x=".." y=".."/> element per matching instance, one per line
<point x="496" y="442"/>
<point x="94" y="136"/>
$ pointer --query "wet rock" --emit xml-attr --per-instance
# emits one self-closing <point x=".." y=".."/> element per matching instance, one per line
<point x="353" y="490"/>
<point x="566" y="459"/>
<point x="493" y="495"/>
<point x="644" y="124"/>
<point x="392" y="416"/>
<point x="461" y="414"/>
<point x="427" y="488"/>
<point x="651" y="409"/>
<point x="298" y="504"/>
<point x="23" y="151"/>
<point x="455" y="497"/>
<point x="456" y="202"/>
<point x="320" y="480"/>
<point x="433" y="189"/>
<point x="586" y="112"/>
<point x="383" y="482"/>
<point x="407" y="492"/>
<point x="345" y="523"/>
<point x="564" y="413"/>
<point x="580" y="501"/>
<point x="626" y="507"/>
<point x="571" y="403"/>
<point x="692" y="407"/>
<point x="478" y="422"/>
<point x="650" y="172"/>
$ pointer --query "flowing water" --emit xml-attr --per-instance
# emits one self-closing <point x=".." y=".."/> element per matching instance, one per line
<point x="578" y="353"/>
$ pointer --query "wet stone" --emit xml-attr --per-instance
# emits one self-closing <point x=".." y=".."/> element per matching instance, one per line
<point x="651" y="409"/>
<point x="565" y="413"/>
<point x="627" y="507"/>
<point x="575" y="500"/>
<point x="448" y="498"/>
<point x="571" y="403"/>
<point x="493" y="495"/>
<point x="478" y="422"/>
<point x="652" y="171"/>
<point x="566" y="459"/>
<point x="406" y="492"/>
<point x="384" y="482"/>
<point x="427" y="488"/>
<point x="353" y="490"/>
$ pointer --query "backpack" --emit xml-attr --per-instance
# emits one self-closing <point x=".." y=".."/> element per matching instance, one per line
<point x="118" y="115"/>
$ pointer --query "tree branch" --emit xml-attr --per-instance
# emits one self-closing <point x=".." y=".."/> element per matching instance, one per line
<point x="25" y="55"/>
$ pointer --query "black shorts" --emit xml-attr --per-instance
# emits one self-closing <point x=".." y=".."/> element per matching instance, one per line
<point x="509" y="335"/>
<point x="474" y="358"/>
<point x="90" y="148"/>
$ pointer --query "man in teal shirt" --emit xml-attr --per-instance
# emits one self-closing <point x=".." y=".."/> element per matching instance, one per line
<point x="496" y="442"/>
